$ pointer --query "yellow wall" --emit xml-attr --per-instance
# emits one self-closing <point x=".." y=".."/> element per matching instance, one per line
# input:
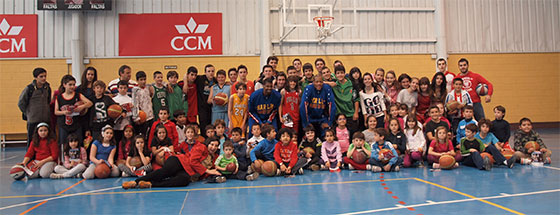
<point x="521" y="81"/>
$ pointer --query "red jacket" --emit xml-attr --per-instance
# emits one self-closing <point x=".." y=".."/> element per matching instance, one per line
<point x="286" y="154"/>
<point x="192" y="162"/>
<point x="44" y="150"/>
<point x="171" y="133"/>
<point x="470" y="81"/>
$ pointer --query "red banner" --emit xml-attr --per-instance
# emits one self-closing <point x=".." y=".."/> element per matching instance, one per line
<point x="18" y="36"/>
<point x="170" y="34"/>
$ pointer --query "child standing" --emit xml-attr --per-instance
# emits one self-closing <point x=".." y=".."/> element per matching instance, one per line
<point x="139" y="150"/>
<point x="424" y="99"/>
<point x="190" y="88"/>
<point x="342" y="134"/>
<point x="265" y="149"/>
<point x="358" y="144"/>
<point x="370" y="129"/>
<point x="441" y="146"/>
<point x="346" y="99"/>
<point x="289" y="106"/>
<point x="67" y="107"/>
<point x="314" y="143"/>
<point x="524" y="134"/>
<point x="237" y="108"/>
<point x="142" y="101"/>
<point x="159" y="98"/>
<point x="75" y="161"/>
<point x="125" y="102"/>
<point x="376" y="159"/>
<point x="101" y="103"/>
<point x="500" y="127"/>
<point x="286" y="154"/>
<point x="103" y="153"/>
<point x="34" y="102"/>
<point x="43" y="150"/>
<point x="468" y="113"/>
<point x="396" y="136"/>
<point x="331" y="156"/>
<point x="219" y="111"/>
<point x="242" y="74"/>
<point x="372" y="101"/>
<point x="175" y="96"/>
<point x="392" y="87"/>
<point x="415" y="142"/>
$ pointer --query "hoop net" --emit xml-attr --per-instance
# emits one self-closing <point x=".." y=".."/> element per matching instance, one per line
<point x="324" y="24"/>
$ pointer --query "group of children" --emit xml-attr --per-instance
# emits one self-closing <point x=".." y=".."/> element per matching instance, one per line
<point x="332" y="116"/>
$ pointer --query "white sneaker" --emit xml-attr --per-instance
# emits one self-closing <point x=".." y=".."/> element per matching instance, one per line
<point x="525" y="161"/>
<point x="350" y="167"/>
<point x="397" y="168"/>
<point x="368" y="167"/>
<point x="300" y="171"/>
<point x="252" y="177"/>
<point x="56" y="176"/>
<point x="375" y="169"/>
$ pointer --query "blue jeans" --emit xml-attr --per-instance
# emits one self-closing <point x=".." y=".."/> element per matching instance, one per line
<point x="478" y="111"/>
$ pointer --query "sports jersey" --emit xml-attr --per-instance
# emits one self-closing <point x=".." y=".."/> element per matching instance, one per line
<point x="317" y="105"/>
<point x="159" y="100"/>
<point x="263" y="109"/>
<point x="239" y="109"/>
<point x="464" y="99"/>
<point x="176" y="100"/>
<point x="290" y="106"/>
<point x="68" y="122"/>
<point x="217" y="89"/>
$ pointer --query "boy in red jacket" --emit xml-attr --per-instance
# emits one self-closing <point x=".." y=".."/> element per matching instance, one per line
<point x="286" y="154"/>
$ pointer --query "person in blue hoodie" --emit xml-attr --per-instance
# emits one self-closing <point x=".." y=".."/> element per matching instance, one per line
<point x="265" y="149"/>
<point x="317" y="106"/>
<point x="263" y="105"/>
<point x="468" y="112"/>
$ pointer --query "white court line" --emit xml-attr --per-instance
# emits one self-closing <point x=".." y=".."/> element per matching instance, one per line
<point x="550" y="167"/>
<point x="184" y="201"/>
<point x="8" y="158"/>
<point x="58" y="197"/>
<point x="451" y="202"/>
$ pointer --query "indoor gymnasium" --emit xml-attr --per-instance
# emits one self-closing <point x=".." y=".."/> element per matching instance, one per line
<point x="279" y="107"/>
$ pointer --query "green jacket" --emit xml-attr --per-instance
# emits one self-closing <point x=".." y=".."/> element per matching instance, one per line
<point x="345" y="97"/>
<point x="466" y="145"/>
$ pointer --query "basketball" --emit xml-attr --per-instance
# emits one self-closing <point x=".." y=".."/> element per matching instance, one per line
<point x="231" y="167"/>
<point x="269" y="168"/>
<point x="84" y="111"/>
<point x="114" y="111"/>
<point x="446" y="161"/>
<point x="256" y="166"/>
<point x="136" y="162"/>
<point x="507" y="154"/>
<point x="359" y="156"/>
<point x="102" y="171"/>
<point x="482" y="89"/>
<point x="142" y="116"/>
<point x="486" y="154"/>
<point x="532" y="144"/>
<point x="452" y="105"/>
<point x="17" y="172"/>
<point x="387" y="155"/>
<point x="220" y="99"/>
<point x="309" y="150"/>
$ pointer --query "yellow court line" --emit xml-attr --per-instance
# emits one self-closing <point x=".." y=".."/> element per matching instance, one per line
<point x="209" y="188"/>
<point x="59" y="193"/>
<point x="470" y="196"/>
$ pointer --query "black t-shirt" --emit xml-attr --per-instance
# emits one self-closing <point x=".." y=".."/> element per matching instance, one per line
<point x="431" y="127"/>
<point x="133" y="152"/>
<point x="399" y="139"/>
<point x="69" y="123"/>
<point x="99" y="117"/>
<point x="203" y="86"/>
<point x="166" y="142"/>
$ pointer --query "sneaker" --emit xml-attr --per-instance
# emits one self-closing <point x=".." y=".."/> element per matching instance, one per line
<point x="547" y="160"/>
<point x="455" y="165"/>
<point x="278" y="172"/>
<point x="145" y="184"/>
<point x="526" y="161"/>
<point x="124" y="174"/>
<point x="56" y="176"/>
<point x="486" y="164"/>
<point x="368" y="167"/>
<point x="300" y="171"/>
<point x="435" y="165"/>
<point x="79" y="175"/>
<point x="315" y="167"/>
<point x="397" y="168"/>
<point x="252" y="177"/>
<point x="511" y="161"/>
<point x="375" y="169"/>
<point x="350" y="167"/>
<point x="421" y="164"/>
<point x="221" y="179"/>
<point x="323" y="167"/>
<point x="250" y="170"/>
<point x="129" y="184"/>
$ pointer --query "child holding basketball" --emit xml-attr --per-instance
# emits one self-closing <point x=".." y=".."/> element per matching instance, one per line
<point x="222" y="162"/>
<point x="441" y="146"/>
<point x="43" y="151"/>
<point x="383" y="155"/>
<point x="101" y="103"/>
<point x="125" y="102"/>
<point x="265" y="149"/>
<point x="396" y="136"/>
<point x="220" y="111"/>
<point x="471" y="147"/>
<point x="66" y="107"/>
<point x="459" y="96"/>
<point x="331" y="155"/>
<point x="415" y="143"/>
<point x="75" y="161"/>
<point x="342" y="134"/>
<point x="286" y="154"/>
<point x="310" y="147"/>
<point x="237" y="108"/>
<point x="140" y="151"/>
<point x="359" y="145"/>
<point x="142" y="101"/>
<point x="103" y="153"/>
<point x="525" y="134"/>
<point x="161" y="146"/>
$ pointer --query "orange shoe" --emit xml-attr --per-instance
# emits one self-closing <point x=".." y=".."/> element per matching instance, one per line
<point x="145" y="184"/>
<point x="129" y="185"/>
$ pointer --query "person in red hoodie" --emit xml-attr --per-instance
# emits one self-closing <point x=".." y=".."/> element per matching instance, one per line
<point x="470" y="82"/>
<point x="180" y="170"/>
<point x="42" y="153"/>
<point x="169" y="126"/>
<point x="286" y="154"/>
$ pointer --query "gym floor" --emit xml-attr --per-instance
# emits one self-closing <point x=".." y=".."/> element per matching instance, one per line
<point x="521" y="190"/>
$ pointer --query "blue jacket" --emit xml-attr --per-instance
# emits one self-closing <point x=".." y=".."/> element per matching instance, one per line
<point x="461" y="128"/>
<point x="266" y="147"/>
<point x="387" y="145"/>
<point x="263" y="109"/>
<point x="317" y="106"/>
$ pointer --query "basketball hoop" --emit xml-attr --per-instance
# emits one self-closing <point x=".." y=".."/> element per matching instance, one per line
<point x="324" y="24"/>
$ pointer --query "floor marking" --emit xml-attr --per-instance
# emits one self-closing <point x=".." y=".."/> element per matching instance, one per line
<point x="5" y="159"/>
<point x="58" y="197"/>
<point x="184" y="202"/>
<point x="470" y="196"/>
<point x="551" y="167"/>
<point x="43" y="202"/>
<point x="453" y="201"/>
<point x="209" y="188"/>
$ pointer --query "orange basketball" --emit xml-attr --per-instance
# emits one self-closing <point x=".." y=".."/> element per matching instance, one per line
<point x="532" y="144"/>
<point x="486" y="154"/>
<point x="102" y="171"/>
<point x="309" y="150"/>
<point x="220" y="99"/>
<point x="452" y="105"/>
<point x="269" y="168"/>
<point x="114" y="111"/>
<point x="507" y="154"/>
<point x="136" y="162"/>
<point x="446" y="161"/>
<point x="256" y="166"/>
<point x="142" y="116"/>
<point x="387" y="155"/>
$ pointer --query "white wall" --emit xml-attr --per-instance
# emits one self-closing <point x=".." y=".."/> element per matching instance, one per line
<point x="473" y="26"/>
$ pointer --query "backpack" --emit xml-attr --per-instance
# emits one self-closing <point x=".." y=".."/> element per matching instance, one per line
<point x="30" y="89"/>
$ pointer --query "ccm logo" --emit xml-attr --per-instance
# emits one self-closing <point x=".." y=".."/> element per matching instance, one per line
<point x="14" y="46"/>
<point x="179" y="43"/>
